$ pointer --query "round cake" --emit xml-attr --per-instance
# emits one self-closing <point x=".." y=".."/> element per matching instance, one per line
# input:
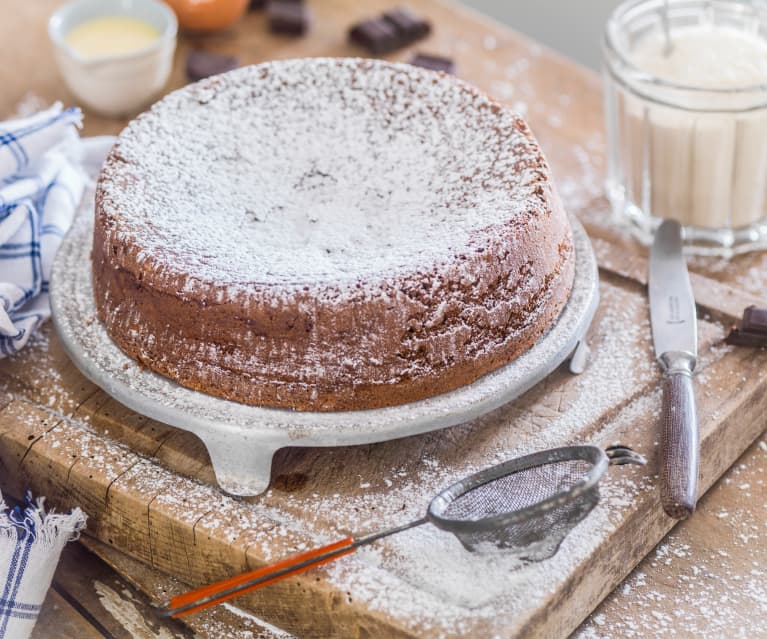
<point x="328" y="234"/>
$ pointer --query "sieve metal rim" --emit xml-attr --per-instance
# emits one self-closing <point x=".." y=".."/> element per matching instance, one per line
<point x="442" y="500"/>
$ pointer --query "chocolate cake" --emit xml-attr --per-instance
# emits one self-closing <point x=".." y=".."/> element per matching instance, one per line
<point x="328" y="234"/>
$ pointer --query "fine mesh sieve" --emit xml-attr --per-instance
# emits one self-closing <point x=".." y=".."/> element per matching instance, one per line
<point x="525" y="506"/>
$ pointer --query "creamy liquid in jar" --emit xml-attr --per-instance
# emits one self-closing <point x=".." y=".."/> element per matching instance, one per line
<point x="706" y="167"/>
<point x="111" y="35"/>
<point x="706" y="57"/>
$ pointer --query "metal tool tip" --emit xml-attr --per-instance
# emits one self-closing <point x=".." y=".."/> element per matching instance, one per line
<point x="164" y="609"/>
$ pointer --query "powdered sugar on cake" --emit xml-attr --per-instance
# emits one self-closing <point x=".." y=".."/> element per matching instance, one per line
<point x="283" y="173"/>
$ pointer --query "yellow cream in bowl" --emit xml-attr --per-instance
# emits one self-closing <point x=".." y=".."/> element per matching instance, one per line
<point x="111" y="35"/>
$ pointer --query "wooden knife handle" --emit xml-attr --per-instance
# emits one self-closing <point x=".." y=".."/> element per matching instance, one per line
<point x="679" y="441"/>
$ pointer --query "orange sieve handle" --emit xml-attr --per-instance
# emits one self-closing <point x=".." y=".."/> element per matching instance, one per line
<point x="221" y="591"/>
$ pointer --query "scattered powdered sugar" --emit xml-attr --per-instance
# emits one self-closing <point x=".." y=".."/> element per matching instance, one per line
<point x="748" y="272"/>
<point x="400" y="165"/>
<point x="582" y="189"/>
<point x="706" y="586"/>
<point x="434" y="562"/>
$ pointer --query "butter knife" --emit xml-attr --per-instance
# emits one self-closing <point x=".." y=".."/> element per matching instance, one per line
<point x="675" y="337"/>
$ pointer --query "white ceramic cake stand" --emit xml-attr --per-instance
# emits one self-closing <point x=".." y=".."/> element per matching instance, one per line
<point x="242" y="439"/>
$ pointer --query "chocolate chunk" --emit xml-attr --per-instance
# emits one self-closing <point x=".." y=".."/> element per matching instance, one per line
<point x="202" y="64"/>
<point x="433" y="62"/>
<point x="739" y="337"/>
<point x="288" y="17"/>
<point x="408" y="25"/>
<point x="754" y="320"/>
<point x="394" y="29"/>
<point x="255" y="5"/>
<point x="377" y="35"/>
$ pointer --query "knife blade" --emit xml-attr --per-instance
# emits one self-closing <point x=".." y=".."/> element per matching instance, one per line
<point x="675" y="338"/>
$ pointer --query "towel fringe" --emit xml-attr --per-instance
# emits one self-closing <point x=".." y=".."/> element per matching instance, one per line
<point x="47" y="529"/>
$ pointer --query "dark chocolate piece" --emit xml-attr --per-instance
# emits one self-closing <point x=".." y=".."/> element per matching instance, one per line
<point x="394" y="29"/>
<point x="433" y="62"/>
<point x="408" y="25"/>
<point x="255" y="5"/>
<point x="202" y="64"/>
<point x="739" y="337"/>
<point x="288" y="17"/>
<point x="754" y="320"/>
<point x="377" y="35"/>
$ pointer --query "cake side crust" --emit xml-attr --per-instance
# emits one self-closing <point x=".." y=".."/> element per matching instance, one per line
<point x="402" y="354"/>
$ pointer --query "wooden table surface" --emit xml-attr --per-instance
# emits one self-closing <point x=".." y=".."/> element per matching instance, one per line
<point x="705" y="578"/>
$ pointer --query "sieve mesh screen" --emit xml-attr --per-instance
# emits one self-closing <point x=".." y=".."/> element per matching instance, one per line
<point x="518" y="490"/>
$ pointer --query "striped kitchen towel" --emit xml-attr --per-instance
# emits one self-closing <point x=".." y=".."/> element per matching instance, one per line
<point x="31" y="542"/>
<point x="41" y="183"/>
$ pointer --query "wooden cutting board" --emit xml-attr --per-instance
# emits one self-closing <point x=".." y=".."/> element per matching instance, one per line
<point x="149" y="488"/>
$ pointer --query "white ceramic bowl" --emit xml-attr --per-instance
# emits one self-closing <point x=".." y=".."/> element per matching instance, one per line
<point x="115" y="85"/>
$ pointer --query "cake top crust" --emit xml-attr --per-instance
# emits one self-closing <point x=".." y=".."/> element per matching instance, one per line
<point x="316" y="172"/>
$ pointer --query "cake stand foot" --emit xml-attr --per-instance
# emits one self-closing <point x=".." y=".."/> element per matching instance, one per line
<point x="579" y="360"/>
<point x="242" y="468"/>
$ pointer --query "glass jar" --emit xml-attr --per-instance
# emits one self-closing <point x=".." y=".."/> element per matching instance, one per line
<point x="696" y="153"/>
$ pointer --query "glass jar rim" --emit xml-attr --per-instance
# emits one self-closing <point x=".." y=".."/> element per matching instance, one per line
<point x="639" y="75"/>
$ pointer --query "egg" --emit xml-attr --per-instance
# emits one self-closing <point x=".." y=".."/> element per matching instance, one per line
<point x="204" y="16"/>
